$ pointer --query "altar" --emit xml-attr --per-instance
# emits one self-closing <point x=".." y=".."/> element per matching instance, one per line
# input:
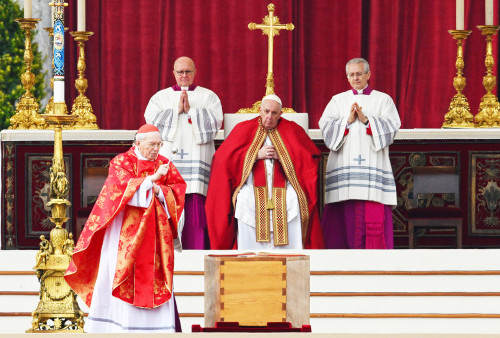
<point x="26" y="157"/>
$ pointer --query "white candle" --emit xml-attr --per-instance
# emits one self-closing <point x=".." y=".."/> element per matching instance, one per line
<point x="52" y="15"/>
<point x="488" y="6"/>
<point x="460" y="15"/>
<point x="27" y="9"/>
<point x="81" y="16"/>
<point x="59" y="90"/>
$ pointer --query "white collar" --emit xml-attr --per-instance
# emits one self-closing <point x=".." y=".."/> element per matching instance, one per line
<point x="138" y="153"/>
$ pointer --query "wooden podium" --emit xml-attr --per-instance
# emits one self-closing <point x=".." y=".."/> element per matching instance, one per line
<point x="254" y="289"/>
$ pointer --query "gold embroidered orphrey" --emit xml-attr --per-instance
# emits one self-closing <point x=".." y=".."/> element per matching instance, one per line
<point x="263" y="207"/>
<point x="262" y="211"/>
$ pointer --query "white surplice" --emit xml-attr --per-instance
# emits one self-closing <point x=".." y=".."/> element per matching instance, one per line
<point x="192" y="142"/>
<point x="358" y="165"/>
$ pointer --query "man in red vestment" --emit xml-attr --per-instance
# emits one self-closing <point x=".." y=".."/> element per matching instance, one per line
<point x="262" y="192"/>
<point x="123" y="263"/>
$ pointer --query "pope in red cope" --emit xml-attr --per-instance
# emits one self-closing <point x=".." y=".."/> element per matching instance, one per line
<point x="262" y="192"/>
<point x="123" y="263"/>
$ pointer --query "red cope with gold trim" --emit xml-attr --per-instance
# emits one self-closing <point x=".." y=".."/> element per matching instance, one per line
<point x="234" y="161"/>
<point x="145" y="261"/>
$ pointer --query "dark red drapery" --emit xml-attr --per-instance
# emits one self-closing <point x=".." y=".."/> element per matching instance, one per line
<point x="407" y="43"/>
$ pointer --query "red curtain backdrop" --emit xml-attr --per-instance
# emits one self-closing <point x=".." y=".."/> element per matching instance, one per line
<point x="412" y="55"/>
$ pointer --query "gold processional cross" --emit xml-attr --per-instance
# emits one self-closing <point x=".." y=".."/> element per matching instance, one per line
<point x="271" y="27"/>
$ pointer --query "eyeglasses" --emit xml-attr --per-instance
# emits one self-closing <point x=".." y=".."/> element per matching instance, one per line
<point x="353" y="75"/>
<point x="183" y="72"/>
<point x="154" y="144"/>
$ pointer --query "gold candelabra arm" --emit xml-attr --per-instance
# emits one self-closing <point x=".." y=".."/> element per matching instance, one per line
<point x="26" y="116"/>
<point x="459" y="115"/>
<point x="82" y="108"/>
<point x="488" y="115"/>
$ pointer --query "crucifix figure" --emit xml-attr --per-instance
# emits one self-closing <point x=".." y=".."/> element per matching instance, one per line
<point x="359" y="159"/>
<point x="270" y="26"/>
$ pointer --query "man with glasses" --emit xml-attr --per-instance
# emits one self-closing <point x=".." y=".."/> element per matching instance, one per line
<point x="122" y="266"/>
<point x="188" y="117"/>
<point x="358" y="126"/>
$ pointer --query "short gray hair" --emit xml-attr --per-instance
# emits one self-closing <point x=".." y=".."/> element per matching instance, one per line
<point x="365" y="63"/>
<point x="140" y="137"/>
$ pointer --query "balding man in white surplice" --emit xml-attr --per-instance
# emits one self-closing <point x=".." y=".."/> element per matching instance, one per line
<point x="188" y="117"/>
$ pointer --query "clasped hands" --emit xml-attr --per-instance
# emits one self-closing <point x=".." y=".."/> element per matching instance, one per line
<point x="162" y="171"/>
<point x="267" y="152"/>
<point x="184" y="103"/>
<point x="357" y="113"/>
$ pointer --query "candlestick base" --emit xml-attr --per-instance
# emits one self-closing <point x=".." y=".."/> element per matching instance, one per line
<point x="459" y="115"/>
<point x="27" y="116"/>
<point x="488" y="115"/>
<point x="82" y="108"/>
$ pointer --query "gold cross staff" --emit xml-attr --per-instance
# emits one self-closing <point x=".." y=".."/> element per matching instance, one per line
<point x="57" y="4"/>
<point x="270" y="26"/>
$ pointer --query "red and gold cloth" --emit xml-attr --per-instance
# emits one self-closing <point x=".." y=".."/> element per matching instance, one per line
<point x="264" y="204"/>
<point x="234" y="161"/>
<point x="145" y="261"/>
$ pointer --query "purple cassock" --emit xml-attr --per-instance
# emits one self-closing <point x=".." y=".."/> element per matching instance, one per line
<point x="195" y="233"/>
<point x="345" y="225"/>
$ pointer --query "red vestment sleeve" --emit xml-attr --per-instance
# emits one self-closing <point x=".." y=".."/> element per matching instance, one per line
<point x="226" y="172"/>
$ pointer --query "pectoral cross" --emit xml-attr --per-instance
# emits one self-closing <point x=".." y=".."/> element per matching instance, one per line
<point x="270" y="26"/>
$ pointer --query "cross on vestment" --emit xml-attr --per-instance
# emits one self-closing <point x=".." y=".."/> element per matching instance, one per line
<point x="182" y="153"/>
<point x="359" y="159"/>
<point x="270" y="26"/>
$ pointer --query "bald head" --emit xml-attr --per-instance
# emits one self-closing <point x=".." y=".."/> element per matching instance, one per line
<point x="184" y="71"/>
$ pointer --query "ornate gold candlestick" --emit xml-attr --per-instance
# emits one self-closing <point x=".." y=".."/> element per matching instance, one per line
<point x="26" y="116"/>
<point x="58" y="310"/>
<point x="82" y="109"/>
<point x="488" y="115"/>
<point x="459" y="115"/>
